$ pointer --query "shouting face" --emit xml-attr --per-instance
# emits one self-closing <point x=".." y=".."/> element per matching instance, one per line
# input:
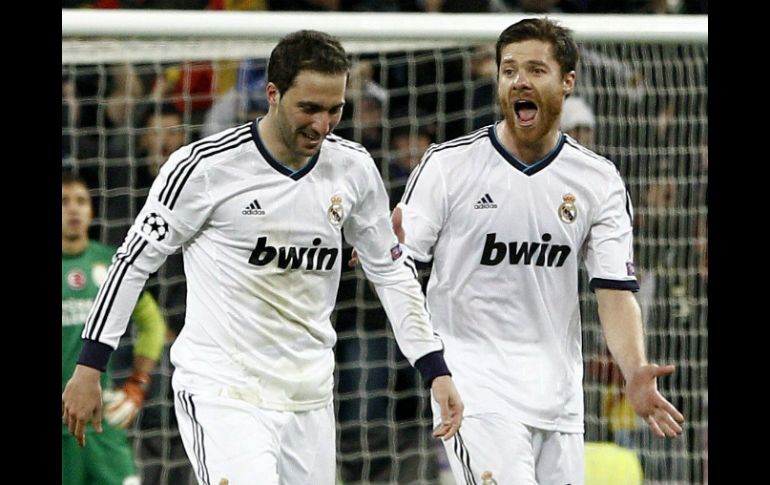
<point x="531" y="89"/>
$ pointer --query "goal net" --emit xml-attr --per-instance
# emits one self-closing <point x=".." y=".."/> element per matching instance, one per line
<point x="137" y="84"/>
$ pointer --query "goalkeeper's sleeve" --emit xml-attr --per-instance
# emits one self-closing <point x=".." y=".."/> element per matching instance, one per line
<point x="151" y="328"/>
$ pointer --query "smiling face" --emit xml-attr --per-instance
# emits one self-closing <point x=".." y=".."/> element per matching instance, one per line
<point x="531" y="89"/>
<point x="306" y="112"/>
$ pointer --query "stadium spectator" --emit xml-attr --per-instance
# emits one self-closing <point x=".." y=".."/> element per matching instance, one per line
<point x="190" y="87"/>
<point x="484" y="79"/>
<point x="407" y="148"/>
<point x="162" y="133"/>
<point x="363" y="116"/>
<point x="243" y="102"/>
<point x="578" y="121"/>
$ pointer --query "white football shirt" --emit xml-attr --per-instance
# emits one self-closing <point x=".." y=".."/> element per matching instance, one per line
<point x="262" y="254"/>
<point x="506" y="240"/>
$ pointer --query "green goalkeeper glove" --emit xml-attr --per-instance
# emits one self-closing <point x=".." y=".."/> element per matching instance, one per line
<point x="122" y="405"/>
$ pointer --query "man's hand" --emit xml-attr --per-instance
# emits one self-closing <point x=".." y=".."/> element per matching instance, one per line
<point x="353" y="262"/>
<point x="123" y="405"/>
<point x="647" y="402"/>
<point x="445" y="393"/>
<point x="81" y="401"/>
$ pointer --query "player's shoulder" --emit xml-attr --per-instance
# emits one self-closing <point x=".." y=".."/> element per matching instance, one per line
<point x="459" y="146"/>
<point x="354" y="157"/>
<point x="190" y="163"/>
<point x="213" y="148"/>
<point x="586" y="156"/>
<point x="588" y="161"/>
<point x="351" y="149"/>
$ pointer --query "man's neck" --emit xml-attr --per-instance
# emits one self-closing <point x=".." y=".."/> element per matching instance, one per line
<point x="528" y="153"/>
<point x="271" y="137"/>
<point x="73" y="246"/>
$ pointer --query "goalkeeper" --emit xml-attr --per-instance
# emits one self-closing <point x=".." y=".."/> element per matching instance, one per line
<point x="108" y="458"/>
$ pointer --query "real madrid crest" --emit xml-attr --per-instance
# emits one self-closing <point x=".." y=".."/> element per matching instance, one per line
<point x="335" y="211"/>
<point x="567" y="209"/>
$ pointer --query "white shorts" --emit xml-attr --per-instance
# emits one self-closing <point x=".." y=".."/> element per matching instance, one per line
<point x="514" y="453"/>
<point x="232" y="440"/>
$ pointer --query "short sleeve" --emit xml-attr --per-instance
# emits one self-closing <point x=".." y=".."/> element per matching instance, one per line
<point x="609" y="248"/>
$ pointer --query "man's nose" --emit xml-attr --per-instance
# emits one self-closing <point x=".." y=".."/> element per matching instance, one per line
<point x="520" y="80"/>
<point x="321" y="123"/>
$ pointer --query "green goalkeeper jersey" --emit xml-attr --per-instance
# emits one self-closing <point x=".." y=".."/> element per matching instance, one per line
<point x="82" y="275"/>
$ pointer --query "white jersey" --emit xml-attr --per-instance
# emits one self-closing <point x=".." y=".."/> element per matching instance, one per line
<point x="506" y="240"/>
<point x="262" y="254"/>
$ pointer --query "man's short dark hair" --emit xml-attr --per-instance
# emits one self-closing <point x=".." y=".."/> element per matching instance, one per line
<point x="305" y="50"/>
<point x="564" y="47"/>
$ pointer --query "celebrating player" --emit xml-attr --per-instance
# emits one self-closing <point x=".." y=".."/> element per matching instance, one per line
<point x="259" y="211"/>
<point x="506" y="213"/>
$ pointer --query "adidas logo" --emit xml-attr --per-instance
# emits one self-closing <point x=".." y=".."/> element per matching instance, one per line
<point x="485" y="202"/>
<point x="253" y="209"/>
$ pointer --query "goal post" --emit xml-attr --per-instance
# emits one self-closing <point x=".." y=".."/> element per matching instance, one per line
<point x="379" y="26"/>
<point x="416" y="79"/>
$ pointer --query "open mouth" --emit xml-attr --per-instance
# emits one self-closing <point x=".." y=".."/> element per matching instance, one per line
<point x="526" y="112"/>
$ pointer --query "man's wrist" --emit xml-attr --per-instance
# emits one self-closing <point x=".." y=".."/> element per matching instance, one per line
<point x="87" y="371"/>
<point x="95" y="354"/>
<point x="432" y="365"/>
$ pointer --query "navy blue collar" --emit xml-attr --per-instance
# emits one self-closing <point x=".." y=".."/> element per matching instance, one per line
<point x="278" y="166"/>
<point x="518" y="164"/>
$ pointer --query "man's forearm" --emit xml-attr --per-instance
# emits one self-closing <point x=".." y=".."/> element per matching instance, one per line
<point x="621" y="321"/>
<point x="405" y="307"/>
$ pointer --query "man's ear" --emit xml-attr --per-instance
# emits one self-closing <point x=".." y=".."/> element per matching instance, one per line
<point x="272" y="94"/>
<point x="568" y="83"/>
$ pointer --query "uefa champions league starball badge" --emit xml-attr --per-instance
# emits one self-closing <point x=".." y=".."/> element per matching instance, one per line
<point x="335" y="212"/>
<point x="155" y="227"/>
<point x="567" y="209"/>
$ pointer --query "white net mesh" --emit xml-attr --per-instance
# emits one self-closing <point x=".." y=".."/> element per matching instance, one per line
<point x="123" y="111"/>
